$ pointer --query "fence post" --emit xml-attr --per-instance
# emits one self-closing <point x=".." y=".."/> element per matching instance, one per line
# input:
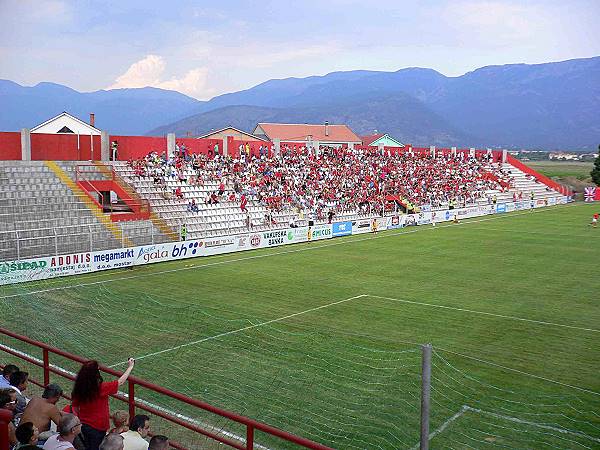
<point x="91" y="241"/>
<point x="46" y="367"/>
<point x="122" y="235"/>
<point x="249" y="437"/>
<point x="131" y="398"/>
<point x="55" y="241"/>
<point x="425" y="395"/>
<point x="18" y="246"/>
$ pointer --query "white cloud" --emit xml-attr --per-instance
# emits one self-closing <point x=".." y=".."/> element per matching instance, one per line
<point x="149" y="72"/>
<point x="494" y="21"/>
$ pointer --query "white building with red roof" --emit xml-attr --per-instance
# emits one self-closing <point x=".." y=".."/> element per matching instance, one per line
<point x="308" y="134"/>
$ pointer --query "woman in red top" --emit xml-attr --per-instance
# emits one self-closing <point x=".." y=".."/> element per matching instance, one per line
<point x="90" y="401"/>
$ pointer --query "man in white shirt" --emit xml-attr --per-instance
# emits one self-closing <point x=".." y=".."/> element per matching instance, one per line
<point x="68" y="429"/>
<point x="135" y="438"/>
<point x="8" y="370"/>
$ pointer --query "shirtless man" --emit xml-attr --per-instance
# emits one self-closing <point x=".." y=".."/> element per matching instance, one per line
<point x="41" y="410"/>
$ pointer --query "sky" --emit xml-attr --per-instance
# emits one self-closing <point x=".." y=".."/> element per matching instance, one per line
<point x="207" y="48"/>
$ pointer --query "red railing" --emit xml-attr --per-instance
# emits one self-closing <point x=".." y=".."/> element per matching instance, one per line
<point x="538" y="176"/>
<point x="89" y="176"/>
<point x="5" y="418"/>
<point x="250" y="424"/>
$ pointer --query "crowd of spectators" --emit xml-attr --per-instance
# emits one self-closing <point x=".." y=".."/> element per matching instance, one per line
<point x="337" y="179"/>
<point x="84" y="424"/>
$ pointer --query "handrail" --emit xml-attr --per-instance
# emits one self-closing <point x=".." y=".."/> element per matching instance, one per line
<point x="5" y="418"/>
<point x="27" y="230"/>
<point x="107" y="173"/>
<point x="251" y="424"/>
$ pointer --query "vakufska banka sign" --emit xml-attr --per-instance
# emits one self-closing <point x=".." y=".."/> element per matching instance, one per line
<point x="342" y="228"/>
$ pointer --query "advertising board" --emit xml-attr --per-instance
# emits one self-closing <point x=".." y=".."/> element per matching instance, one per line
<point x="395" y="222"/>
<point x="86" y="262"/>
<point x="341" y="228"/>
<point x="361" y="226"/>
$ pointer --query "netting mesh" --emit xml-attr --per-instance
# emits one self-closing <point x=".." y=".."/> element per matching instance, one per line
<point x="345" y="388"/>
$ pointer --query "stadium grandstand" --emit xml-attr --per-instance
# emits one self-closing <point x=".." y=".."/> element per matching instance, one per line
<point x="80" y="204"/>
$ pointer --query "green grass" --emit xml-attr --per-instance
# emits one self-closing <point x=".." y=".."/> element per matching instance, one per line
<point x="348" y="373"/>
<point x="563" y="169"/>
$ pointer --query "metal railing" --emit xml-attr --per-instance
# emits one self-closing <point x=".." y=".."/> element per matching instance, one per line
<point x="133" y="403"/>
<point x="51" y="241"/>
<point x="86" y="174"/>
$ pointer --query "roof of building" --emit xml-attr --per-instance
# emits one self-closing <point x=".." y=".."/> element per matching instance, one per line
<point x="67" y="115"/>
<point x="302" y="132"/>
<point x="384" y="138"/>
<point x="205" y="136"/>
<point x="367" y="140"/>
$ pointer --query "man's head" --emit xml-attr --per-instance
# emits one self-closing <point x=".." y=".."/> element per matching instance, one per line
<point x="27" y="433"/>
<point x="159" y="442"/>
<point x="19" y="380"/>
<point x="141" y="424"/>
<point x="69" y="426"/>
<point x="52" y="393"/>
<point x="8" y="370"/>
<point x="112" y="441"/>
<point x="8" y="399"/>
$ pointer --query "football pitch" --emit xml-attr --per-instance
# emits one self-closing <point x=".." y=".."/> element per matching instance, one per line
<point x="323" y="339"/>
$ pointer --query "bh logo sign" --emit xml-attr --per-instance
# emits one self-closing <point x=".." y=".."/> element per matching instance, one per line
<point x="186" y="250"/>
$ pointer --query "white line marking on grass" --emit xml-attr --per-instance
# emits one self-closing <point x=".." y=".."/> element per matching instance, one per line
<point x="483" y="313"/>
<point x="467" y="408"/>
<point x="307" y="247"/>
<point x="517" y="371"/>
<point x="443" y="426"/>
<point x="533" y="424"/>
<point x="249" y="327"/>
<point x="204" y="425"/>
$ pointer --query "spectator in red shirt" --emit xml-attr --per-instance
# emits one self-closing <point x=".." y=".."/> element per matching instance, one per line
<point x="243" y="203"/>
<point x="90" y="401"/>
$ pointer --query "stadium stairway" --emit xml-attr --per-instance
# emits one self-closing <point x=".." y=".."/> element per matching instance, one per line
<point x="42" y="214"/>
<point x="167" y="230"/>
<point x="523" y="184"/>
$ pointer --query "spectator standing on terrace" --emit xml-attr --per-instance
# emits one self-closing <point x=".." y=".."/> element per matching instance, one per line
<point x="42" y="410"/>
<point x="18" y="382"/>
<point x="27" y="435"/>
<point x="90" y="401"/>
<point x="243" y="203"/>
<point x="114" y="147"/>
<point x="8" y="370"/>
<point x="183" y="232"/>
<point x="135" y="438"/>
<point x="159" y="442"/>
<point x="70" y="426"/>
<point x="216" y="148"/>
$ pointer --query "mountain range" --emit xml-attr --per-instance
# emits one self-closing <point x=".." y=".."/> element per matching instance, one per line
<point x="547" y="106"/>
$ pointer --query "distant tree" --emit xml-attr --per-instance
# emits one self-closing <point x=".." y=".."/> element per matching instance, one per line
<point x="595" y="173"/>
